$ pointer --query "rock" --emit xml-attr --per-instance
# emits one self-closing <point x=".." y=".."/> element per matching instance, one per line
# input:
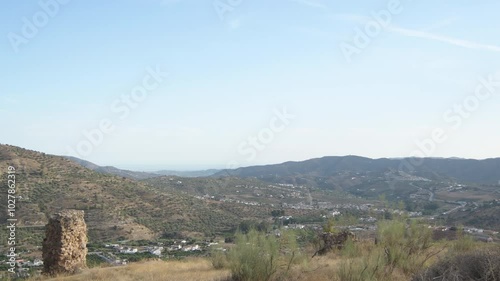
<point x="65" y="244"/>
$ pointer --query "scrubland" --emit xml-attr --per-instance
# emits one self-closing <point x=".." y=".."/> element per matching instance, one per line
<point x="403" y="250"/>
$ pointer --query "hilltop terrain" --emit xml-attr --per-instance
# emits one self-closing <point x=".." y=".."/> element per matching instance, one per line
<point x="437" y="169"/>
<point x="116" y="208"/>
<point x="120" y="208"/>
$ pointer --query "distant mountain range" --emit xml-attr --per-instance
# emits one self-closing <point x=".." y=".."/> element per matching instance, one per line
<point x="462" y="170"/>
<point x="118" y="206"/>
<point x="110" y="170"/>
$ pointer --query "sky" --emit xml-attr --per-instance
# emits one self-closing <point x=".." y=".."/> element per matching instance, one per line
<point x="191" y="84"/>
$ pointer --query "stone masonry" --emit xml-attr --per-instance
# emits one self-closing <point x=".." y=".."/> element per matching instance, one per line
<point x="65" y="244"/>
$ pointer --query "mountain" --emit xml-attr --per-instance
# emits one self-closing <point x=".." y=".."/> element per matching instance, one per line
<point x="116" y="208"/>
<point x="461" y="170"/>
<point x="110" y="170"/>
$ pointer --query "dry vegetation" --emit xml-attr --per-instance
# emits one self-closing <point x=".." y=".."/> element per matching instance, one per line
<point x="115" y="208"/>
<point x="191" y="269"/>
<point x="120" y="207"/>
<point x="403" y="254"/>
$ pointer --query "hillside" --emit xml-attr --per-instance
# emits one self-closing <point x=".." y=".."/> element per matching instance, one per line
<point x="119" y="208"/>
<point x="459" y="191"/>
<point x="460" y="170"/>
<point x="115" y="207"/>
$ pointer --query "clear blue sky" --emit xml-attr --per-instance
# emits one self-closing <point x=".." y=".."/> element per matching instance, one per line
<point x="228" y="75"/>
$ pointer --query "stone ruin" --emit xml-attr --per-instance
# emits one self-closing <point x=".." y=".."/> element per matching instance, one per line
<point x="65" y="244"/>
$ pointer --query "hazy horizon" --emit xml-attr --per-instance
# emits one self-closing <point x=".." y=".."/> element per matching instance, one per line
<point x="155" y="168"/>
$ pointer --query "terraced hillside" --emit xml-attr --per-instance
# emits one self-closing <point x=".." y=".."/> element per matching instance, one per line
<point x="250" y="190"/>
<point x="115" y="207"/>
<point x="118" y="208"/>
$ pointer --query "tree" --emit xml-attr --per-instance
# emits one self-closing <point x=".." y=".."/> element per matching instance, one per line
<point x="277" y="213"/>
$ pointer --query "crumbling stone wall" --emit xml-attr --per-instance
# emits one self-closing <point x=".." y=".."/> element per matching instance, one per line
<point x="65" y="244"/>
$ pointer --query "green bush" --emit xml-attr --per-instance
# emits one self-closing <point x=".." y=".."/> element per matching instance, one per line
<point x="261" y="257"/>
<point x="406" y="246"/>
<point x="350" y="249"/>
<point x="463" y="244"/>
<point x="218" y="259"/>
<point x="366" y="268"/>
<point x="401" y="248"/>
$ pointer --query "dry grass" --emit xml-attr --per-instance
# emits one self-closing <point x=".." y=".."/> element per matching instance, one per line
<point x="319" y="268"/>
<point x="322" y="268"/>
<point x="191" y="269"/>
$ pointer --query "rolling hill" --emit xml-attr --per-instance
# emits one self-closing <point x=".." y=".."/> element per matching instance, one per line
<point x="120" y="208"/>
<point x="115" y="207"/>
<point x="454" y="169"/>
<point x="110" y="170"/>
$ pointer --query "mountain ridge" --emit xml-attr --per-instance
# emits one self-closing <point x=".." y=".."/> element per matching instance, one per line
<point x="465" y="170"/>
<point x="116" y="208"/>
<point x="139" y="175"/>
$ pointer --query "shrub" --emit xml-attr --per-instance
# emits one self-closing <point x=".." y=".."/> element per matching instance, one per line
<point x="463" y="244"/>
<point x="481" y="265"/>
<point x="368" y="267"/>
<point x="405" y="247"/>
<point x="332" y="238"/>
<point x="261" y="257"/>
<point x="254" y="258"/>
<point x="218" y="259"/>
<point x="95" y="261"/>
<point x="401" y="249"/>
<point x="350" y="249"/>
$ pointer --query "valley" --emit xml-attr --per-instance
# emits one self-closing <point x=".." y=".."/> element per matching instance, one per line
<point x="162" y="211"/>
